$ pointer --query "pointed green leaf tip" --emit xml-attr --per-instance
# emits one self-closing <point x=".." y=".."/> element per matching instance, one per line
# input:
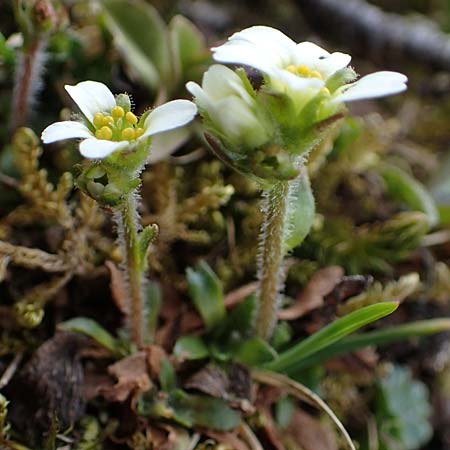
<point x="288" y="360"/>
<point x="206" y="292"/>
<point x="92" y="329"/>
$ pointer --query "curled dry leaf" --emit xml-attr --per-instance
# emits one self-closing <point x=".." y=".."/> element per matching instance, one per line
<point x="234" y="386"/>
<point x="132" y="378"/>
<point x="230" y="440"/>
<point x="312" y="297"/>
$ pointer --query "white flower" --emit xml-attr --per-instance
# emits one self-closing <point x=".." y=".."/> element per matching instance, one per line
<point x="229" y="107"/>
<point x="110" y="125"/>
<point x="302" y="70"/>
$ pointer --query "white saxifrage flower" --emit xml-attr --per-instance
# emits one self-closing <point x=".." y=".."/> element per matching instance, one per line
<point x="303" y="70"/>
<point x="230" y="107"/>
<point x="108" y="125"/>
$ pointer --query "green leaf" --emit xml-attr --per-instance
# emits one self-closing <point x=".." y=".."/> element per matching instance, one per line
<point x="167" y="376"/>
<point x="94" y="330"/>
<point x="254" y="352"/>
<point x="190" y="348"/>
<point x="189" y="48"/>
<point x="301" y="211"/>
<point x="404" y="188"/>
<point x="403" y="411"/>
<point x="288" y="360"/>
<point x="205" y="289"/>
<point x="200" y="410"/>
<point x="142" y="37"/>
<point x="146" y="237"/>
<point x="379" y="337"/>
<point x="240" y="320"/>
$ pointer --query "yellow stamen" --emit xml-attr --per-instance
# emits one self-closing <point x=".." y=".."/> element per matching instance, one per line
<point x="325" y="91"/>
<point x="117" y="112"/>
<point x="131" y="118"/>
<point x="107" y="120"/>
<point x="128" y="134"/>
<point x="316" y="74"/>
<point x="138" y="132"/>
<point x="292" y="69"/>
<point x="303" y="70"/>
<point x="104" y="133"/>
<point x="98" y="119"/>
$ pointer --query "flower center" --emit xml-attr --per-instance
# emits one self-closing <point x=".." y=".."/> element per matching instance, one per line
<point x="304" y="71"/>
<point x="118" y="126"/>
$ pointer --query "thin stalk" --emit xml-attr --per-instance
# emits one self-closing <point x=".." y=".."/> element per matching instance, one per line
<point x="271" y="272"/>
<point x="28" y="80"/>
<point x="127" y="220"/>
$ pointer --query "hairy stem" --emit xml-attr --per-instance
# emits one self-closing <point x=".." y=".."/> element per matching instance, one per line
<point x="28" y="80"/>
<point x="271" y="254"/>
<point x="129" y="238"/>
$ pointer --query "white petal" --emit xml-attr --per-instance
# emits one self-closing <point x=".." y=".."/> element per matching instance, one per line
<point x="268" y="40"/>
<point x="329" y="65"/>
<point x="98" y="148"/>
<point x="247" y="54"/>
<point x="164" y="144"/>
<point x="378" y="84"/>
<point x="171" y="115"/>
<point x="308" y="53"/>
<point x="64" y="130"/>
<point x="91" y="97"/>
<point x="201" y="97"/>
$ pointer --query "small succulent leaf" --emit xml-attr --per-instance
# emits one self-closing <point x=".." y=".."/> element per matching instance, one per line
<point x="403" y="410"/>
<point x="92" y="329"/>
<point x="287" y="360"/>
<point x="254" y="352"/>
<point x="190" y="348"/>
<point x="301" y="211"/>
<point x="206" y="291"/>
<point x="404" y="188"/>
<point x="142" y="37"/>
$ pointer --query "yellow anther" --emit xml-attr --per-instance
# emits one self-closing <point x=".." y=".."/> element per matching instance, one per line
<point x="131" y="118"/>
<point x="303" y="70"/>
<point x="117" y="112"/>
<point x="128" y="134"/>
<point x="138" y="132"/>
<point x="316" y="74"/>
<point x="292" y="69"/>
<point x="98" y="119"/>
<point x="325" y="91"/>
<point x="107" y="120"/>
<point x="104" y="133"/>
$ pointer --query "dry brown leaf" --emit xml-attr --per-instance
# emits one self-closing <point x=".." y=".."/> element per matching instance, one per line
<point x="312" y="297"/>
<point x="155" y="355"/>
<point x="132" y="378"/>
<point x="308" y="433"/>
<point x="229" y="439"/>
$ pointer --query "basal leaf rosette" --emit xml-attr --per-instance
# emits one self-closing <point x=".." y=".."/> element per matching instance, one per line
<point x="115" y="142"/>
<point x="267" y="131"/>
